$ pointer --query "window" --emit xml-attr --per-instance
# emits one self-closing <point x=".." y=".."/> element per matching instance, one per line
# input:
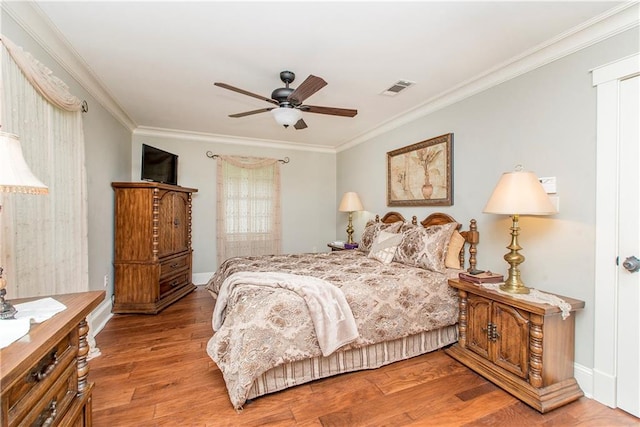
<point x="248" y="211"/>
<point x="44" y="238"/>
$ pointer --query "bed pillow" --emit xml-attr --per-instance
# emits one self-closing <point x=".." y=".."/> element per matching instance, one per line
<point x="426" y="247"/>
<point x="371" y="231"/>
<point x="452" y="260"/>
<point x="384" y="247"/>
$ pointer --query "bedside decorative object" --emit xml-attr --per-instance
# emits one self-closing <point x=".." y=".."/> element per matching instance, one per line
<point x="350" y="203"/>
<point x="522" y="346"/>
<point x="518" y="193"/>
<point x="482" y="277"/>
<point x="15" y="177"/>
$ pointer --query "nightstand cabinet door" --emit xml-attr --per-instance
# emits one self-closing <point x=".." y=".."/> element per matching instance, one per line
<point x="498" y="333"/>
<point x="511" y="339"/>
<point x="479" y="319"/>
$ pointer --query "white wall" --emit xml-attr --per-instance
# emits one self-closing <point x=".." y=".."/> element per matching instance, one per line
<point x="544" y="120"/>
<point x="308" y="185"/>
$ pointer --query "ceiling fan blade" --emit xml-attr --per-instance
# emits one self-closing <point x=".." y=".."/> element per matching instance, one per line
<point x="308" y="87"/>
<point x="300" y="124"/>
<point x="333" y="111"/>
<point x="249" y="113"/>
<point x="244" y="92"/>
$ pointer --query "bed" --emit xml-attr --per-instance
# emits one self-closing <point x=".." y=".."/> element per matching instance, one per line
<point x="275" y="328"/>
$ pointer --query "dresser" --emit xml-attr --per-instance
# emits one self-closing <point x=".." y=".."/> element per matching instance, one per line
<point x="44" y="374"/>
<point x="152" y="259"/>
<point x="524" y="347"/>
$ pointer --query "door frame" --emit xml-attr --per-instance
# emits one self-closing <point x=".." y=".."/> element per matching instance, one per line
<point x="607" y="81"/>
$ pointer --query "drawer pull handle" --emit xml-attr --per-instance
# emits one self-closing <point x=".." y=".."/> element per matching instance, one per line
<point x="44" y="368"/>
<point x="175" y="265"/>
<point x="48" y="415"/>
<point x="174" y="283"/>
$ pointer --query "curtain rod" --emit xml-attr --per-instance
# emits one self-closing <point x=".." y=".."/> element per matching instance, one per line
<point x="215" y="156"/>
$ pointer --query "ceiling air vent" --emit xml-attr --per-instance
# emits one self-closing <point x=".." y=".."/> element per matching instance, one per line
<point x="397" y="87"/>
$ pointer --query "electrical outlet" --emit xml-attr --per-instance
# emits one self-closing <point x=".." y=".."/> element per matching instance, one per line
<point x="106" y="280"/>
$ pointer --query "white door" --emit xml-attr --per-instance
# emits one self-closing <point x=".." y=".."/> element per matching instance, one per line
<point x="616" y="370"/>
<point x="628" y="354"/>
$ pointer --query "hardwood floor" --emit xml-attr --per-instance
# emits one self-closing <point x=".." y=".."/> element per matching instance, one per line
<point x="154" y="371"/>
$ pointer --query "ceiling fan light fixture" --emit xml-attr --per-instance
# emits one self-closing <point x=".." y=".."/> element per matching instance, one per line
<point x="286" y="116"/>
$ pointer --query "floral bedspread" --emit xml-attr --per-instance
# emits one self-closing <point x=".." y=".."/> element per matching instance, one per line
<point x="266" y="327"/>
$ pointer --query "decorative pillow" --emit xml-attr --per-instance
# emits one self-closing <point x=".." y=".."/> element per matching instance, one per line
<point x="371" y="231"/>
<point x="384" y="247"/>
<point x="426" y="247"/>
<point x="452" y="260"/>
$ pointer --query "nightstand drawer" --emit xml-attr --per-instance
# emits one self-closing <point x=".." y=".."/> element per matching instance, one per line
<point x="170" y="266"/>
<point x="34" y="383"/>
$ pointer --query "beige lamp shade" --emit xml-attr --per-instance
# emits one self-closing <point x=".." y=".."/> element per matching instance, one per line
<point x="519" y="193"/>
<point x="15" y="175"/>
<point x="350" y="202"/>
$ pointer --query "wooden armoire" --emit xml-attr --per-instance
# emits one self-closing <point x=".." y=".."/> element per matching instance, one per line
<point x="152" y="259"/>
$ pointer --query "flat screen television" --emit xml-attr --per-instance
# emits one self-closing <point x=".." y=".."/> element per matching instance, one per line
<point x="159" y="165"/>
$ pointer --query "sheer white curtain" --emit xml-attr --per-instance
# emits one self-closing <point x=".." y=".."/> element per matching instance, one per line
<point x="44" y="238"/>
<point x="248" y="207"/>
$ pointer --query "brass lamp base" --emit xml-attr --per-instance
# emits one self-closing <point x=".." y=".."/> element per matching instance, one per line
<point x="350" y="229"/>
<point x="514" y="283"/>
<point x="7" y="311"/>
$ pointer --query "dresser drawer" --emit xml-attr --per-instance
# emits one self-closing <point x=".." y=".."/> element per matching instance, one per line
<point x="170" y="266"/>
<point x="25" y="393"/>
<point x="174" y="282"/>
<point x="51" y="408"/>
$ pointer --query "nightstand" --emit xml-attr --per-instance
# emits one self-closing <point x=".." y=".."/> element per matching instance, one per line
<point x="524" y="347"/>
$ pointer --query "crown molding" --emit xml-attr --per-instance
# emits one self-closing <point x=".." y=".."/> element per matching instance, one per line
<point x="626" y="16"/>
<point x="597" y="29"/>
<point x="184" y="135"/>
<point x="31" y="18"/>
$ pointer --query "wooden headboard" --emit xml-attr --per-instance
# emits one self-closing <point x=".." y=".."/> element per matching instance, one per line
<point x="471" y="236"/>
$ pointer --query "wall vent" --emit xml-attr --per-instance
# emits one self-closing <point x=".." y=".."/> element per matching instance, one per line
<point x="397" y="87"/>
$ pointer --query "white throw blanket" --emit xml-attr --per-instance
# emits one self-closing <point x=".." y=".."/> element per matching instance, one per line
<point x="330" y="313"/>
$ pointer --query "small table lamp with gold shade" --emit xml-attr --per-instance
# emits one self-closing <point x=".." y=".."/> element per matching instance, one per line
<point x="15" y="177"/>
<point x="518" y="193"/>
<point x="350" y="203"/>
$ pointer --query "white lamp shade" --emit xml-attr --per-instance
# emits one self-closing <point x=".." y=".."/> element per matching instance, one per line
<point x="286" y="116"/>
<point x="350" y="202"/>
<point x="519" y="193"/>
<point x="15" y="175"/>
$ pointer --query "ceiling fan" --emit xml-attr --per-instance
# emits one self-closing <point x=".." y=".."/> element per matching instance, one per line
<point x="289" y="101"/>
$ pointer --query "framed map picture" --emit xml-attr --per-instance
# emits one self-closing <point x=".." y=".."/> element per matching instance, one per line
<point x="421" y="174"/>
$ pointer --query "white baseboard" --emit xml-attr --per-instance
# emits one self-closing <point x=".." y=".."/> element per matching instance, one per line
<point x="99" y="317"/>
<point x="605" y="388"/>
<point x="584" y="377"/>
<point x="201" y="278"/>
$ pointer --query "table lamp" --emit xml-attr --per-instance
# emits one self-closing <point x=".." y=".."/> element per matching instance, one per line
<point x="518" y="193"/>
<point x="350" y="203"/>
<point x="15" y="177"/>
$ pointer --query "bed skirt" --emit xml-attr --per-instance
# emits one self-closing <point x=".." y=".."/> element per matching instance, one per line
<point x="370" y="357"/>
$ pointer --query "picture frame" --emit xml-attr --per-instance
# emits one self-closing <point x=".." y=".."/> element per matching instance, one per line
<point x="421" y="174"/>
